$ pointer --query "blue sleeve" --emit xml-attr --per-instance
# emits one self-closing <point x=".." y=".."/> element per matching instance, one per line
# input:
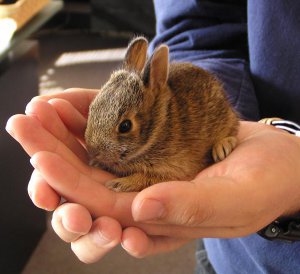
<point x="212" y="35"/>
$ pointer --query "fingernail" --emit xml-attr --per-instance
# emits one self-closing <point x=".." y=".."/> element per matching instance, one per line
<point x="30" y="193"/>
<point x="28" y="108"/>
<point x="8" y="128"/>
<point x="149" y="210"/>
<point x="52" y="100"/>
<point x="33" y="162"/>
<point x="126" y="246"/>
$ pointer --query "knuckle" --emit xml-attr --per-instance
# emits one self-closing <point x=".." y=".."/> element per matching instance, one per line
<point x="196" y="215"/>
<point x="190" y="217"/>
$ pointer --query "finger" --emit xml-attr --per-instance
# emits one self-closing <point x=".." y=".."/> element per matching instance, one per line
<point x="185" y="232"/>
<point x="52" y="122"/>
<point x="141" y="244"/>
<point x="33" y="137"/>
<point x="70" y="116"/>
<point x="30" y="133"/>
<point x="70" y="221"/>
<point x="74" y="185"/>
<point x="176" y="203"/>
<point x="205" y="204"/>
<point x="41" y="194"/>
<point x="78" y="97"/>
<point x="138" y="244"/>
<point x="104" y="235"/>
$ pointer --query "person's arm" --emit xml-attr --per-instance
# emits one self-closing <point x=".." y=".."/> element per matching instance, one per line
<point x="212" y="35"/>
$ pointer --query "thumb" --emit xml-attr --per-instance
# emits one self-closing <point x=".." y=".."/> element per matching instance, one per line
<point x="178" y="203"/>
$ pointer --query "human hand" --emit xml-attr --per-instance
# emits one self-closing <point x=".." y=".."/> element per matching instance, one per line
<point x="208" y="208"/>
<point x="214" y="214"/>
<point x="256" y="184"/>
<point x="52" y="133"/>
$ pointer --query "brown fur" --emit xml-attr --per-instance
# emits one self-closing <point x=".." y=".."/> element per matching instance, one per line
<point x="179" y="115"/>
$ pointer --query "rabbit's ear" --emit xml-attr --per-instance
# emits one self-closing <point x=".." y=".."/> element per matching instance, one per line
<point x="136" y="54"/>
<point x="156" y="72"/>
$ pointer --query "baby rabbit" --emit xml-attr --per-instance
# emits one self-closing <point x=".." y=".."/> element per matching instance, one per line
<point x="154" y="121"/>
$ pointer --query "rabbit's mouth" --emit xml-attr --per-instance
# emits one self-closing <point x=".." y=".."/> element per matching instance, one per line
<point x="114" y="163"/>
<point x="110" y="164"/>
<point x="105" y="161"/>
<point x="115" y="168"/>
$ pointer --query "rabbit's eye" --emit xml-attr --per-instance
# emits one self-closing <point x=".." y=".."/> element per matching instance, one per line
<point x="125" y="126"/>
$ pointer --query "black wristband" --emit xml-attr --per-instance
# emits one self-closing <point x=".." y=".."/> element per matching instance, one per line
<point x="288" y="228"/>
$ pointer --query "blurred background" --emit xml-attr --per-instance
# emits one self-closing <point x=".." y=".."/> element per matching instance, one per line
<point x="48" y="46"/>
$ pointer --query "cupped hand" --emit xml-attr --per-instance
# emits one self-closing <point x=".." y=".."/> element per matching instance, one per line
<point x="257" y="183"/>
<point x="52" y="133"/>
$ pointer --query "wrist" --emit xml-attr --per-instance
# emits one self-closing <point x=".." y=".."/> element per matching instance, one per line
<point x="284" y="228"/>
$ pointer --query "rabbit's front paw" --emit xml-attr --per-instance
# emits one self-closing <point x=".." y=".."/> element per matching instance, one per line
<point x="223" y="148"/>
<point x="121" y="185"/>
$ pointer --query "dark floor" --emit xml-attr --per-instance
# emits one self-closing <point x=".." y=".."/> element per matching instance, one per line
<point x="52" y="255"/>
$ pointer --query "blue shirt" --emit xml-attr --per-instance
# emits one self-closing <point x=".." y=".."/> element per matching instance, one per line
<point x="254" y="48"/>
